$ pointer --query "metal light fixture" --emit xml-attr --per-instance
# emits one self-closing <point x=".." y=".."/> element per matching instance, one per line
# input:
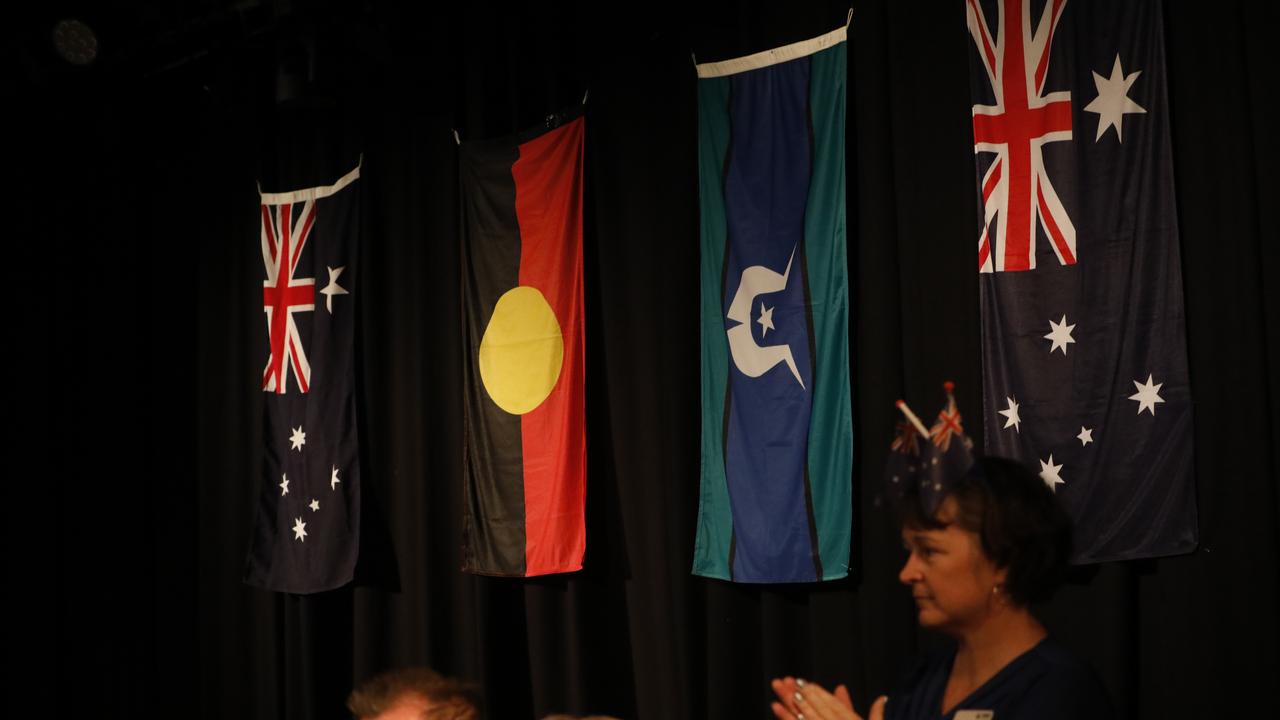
<point x="75" y="41"/>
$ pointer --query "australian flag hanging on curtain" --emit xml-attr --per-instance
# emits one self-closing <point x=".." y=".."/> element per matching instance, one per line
<point x="1083" y="340"/>
<point x="307" y="527"/>
<point x="777" y="440"/>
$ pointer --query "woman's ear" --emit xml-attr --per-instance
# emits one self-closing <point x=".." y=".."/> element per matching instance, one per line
<point x="1001" y="575"/>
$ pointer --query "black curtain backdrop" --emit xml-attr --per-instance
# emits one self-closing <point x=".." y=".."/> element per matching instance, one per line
<point x="138" y="345"/>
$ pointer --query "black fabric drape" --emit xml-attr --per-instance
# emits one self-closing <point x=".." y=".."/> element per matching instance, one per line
<point x="138" y="261"/>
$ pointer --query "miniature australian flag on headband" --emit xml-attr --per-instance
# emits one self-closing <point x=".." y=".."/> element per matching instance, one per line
<point x="929" y="467"/>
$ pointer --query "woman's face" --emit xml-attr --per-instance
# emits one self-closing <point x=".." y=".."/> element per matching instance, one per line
<point x="951" y="580"/>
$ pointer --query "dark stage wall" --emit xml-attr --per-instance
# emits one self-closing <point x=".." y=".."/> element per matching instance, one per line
<point x="139" y="346"/>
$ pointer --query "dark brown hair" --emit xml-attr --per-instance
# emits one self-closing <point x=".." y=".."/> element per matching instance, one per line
<point x="382" y="691"/>
<point x="1016" y="516"/>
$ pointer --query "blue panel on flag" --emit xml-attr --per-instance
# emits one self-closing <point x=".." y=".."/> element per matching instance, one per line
<point x="768" y="405"/>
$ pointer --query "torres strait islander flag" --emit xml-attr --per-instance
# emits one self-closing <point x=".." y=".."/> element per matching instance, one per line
<point x="777" y="438"/>
<point x="1083" y="344"/>
<point x="307" y="526"/>
<point x="525" y="455"/>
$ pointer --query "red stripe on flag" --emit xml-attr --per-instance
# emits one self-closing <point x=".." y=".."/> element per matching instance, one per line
<point x="1055" y="233"/>
<point x="548" y="179"/>
<point x="298" y="374"/>
<point x="1043" y="66"/>
<point x="984" y="244"/>
<point x="280" y="311"/>
<point x="1016" y="122"/>
<point x="992" y="181"/>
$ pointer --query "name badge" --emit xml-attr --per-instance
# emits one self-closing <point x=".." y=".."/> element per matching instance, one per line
<point x="975" y="715"/>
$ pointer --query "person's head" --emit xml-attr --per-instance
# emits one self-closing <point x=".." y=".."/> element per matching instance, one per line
<point x="415" y="693"/>
<point x="998" y="539"/>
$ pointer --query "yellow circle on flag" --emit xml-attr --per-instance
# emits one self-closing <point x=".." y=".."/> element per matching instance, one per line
<point x="521" y="351"/>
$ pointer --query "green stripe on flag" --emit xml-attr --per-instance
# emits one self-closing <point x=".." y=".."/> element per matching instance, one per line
<point x="715" y="522"/>
<point x="831" y="424"/>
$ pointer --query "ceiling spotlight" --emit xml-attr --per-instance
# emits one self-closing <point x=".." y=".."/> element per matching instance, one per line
<point x="75" y="42"/>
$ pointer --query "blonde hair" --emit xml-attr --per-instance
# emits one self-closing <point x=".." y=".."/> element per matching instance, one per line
<point x="375" y="695"/>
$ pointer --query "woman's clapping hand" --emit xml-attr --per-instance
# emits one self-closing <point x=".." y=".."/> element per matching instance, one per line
<point x="801" y="700"/>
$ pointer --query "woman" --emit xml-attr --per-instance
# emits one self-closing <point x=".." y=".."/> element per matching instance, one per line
<point x="997" y="543"/>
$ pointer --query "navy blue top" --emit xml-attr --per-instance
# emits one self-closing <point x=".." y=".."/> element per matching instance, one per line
<point x="1045" y="683"/>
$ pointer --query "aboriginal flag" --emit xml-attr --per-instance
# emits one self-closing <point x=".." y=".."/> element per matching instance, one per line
<point x="525" y="451"/>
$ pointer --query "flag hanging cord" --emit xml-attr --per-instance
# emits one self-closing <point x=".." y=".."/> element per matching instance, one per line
<point x="849" y="18"/>
<point x="456" y="140"/>
<point x="585" y="93"/>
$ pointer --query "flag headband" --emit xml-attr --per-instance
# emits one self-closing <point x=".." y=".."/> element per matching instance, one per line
<point x="928" y="461"/>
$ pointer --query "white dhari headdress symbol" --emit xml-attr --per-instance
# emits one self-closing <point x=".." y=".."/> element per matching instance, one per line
<point x="752" y="359"/>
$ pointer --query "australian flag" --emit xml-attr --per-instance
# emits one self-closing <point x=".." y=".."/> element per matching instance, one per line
<point x="307" y="525"/>
<point x="1083" y="339"/>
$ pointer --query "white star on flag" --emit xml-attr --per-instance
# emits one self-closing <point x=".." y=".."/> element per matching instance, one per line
<point x="1049" y="473"/>
<point x="333" y="479"/>
<point x="298" y="438"/>
<point x="299" y="530"/>
<point x="1060" y="335"/>
<point x="1113" y="102"/>
<point x="766" y="320"/>
<point x="1086" y="436"/>
<point x="1012" y="414"/>
<point x="284" y="485"/>
<point x="1146" y="395"/>
<point x="333" y="288"/>
<point x="315" y="505"/>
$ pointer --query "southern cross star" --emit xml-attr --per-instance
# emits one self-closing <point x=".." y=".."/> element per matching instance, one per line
<point x="1147" y="395"/>
<point x="1049" y="473"/>
<point x="1060" y="335"/>
<point x="1086" y="436"/>
<point x="1011" y="413"/>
